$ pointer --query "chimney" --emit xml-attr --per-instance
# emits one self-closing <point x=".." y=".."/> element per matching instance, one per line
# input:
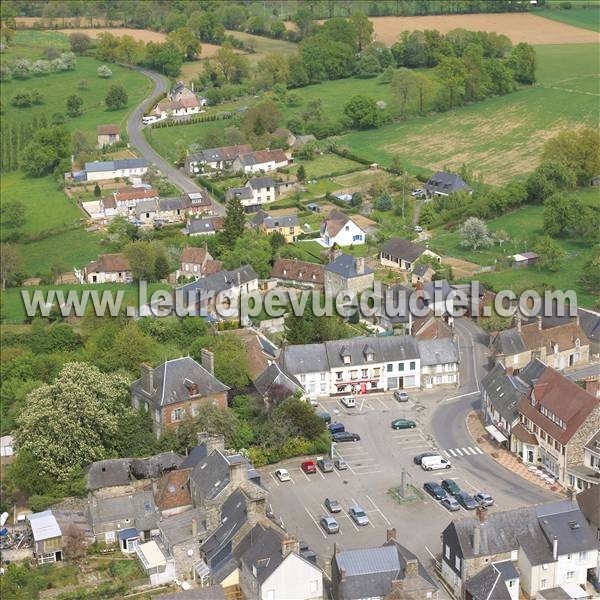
<point x="518" y="322"/>
<point x="194" y="527"/>
<point x="481" y="514"/>
<point x="342" y="575"/>
<point x="577" y="319"/>
<point x="412" y="568"/>
<point x="237" y="469"/>
<point x="208" y="360"/>
<point x="147" y="374"/>
<point x="391" y="534"/>
<point x="539" y="322"/>
<point x="360" y="265"/>
<point x="212" y="442"/>
<point x="239" y="279"/>
<point x="255" y="503"/>
<point x="336" y="548"/>
<point x="289" y="544"/>
<point x="555" y="548"/>
<point x="510" y="370"/>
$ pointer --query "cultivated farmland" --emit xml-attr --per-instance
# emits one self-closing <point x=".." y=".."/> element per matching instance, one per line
<point x="502" y="136"/>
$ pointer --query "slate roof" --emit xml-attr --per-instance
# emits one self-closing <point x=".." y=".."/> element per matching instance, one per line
<point x="222" y="280"/>
<point x="504" y="392"/>
<point x="108" y="473"/>
<point x="204" y="225"/>
<point x="137" y="510"/>
<point x="346" y="266"/>
<point x="563" y="398"/>
<point x="589" y="503"/>
<point x="334" y="222"/>
<point x="440" y="288"/>
<point x="176" y="203"/>
<point x="197" y="454"/>
<point x="177" y="529"/>
<point x="445" y="183"/>
<point x="224" y="153"/>
<point x="211" y="592"/>
<point x="146" y="206"/>
<point x="298" y="270"/>
<point x="488" y="584"/>
<point x="262" y="157"/>
<point x="258" y="183"/>
<point x="590" y="323"/>
<point x="421" y="269"/>
<point x="199" y="198"/>
<point x="531" y="528"/>
<point x="211" y="475"/>
<point x="509" y="342"/>
<point x="169" y="380"/>
<point x="271" y="222"/>
<point x="132" y="193"/>
<point x="243" y="193"/>
<point x="404" y="249"/>
<point x="274" y="376"/>
<point x="438" y="351"/>
<point x="260" y="550"/>
<point x="114" y="165"/>
<point x="304" y="358"/>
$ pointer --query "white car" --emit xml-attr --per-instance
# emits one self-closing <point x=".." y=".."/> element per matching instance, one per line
<point x="418" y="192"/>
<point x="283" y="475"/>
<point x="348" y="401"/>
<point x="418" y="229"/>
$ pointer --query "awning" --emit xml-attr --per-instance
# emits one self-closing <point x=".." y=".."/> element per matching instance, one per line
<point x="493" y="431"/>
<point x="129" y="534"/>
<point x="574" y="591"/>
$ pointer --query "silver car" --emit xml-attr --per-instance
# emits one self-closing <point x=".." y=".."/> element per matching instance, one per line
<point x="450" y="503"/>
<point x="341" y="464"/>
<point x="483" y="499"/>
<point x="359" y="516"/>
<point x="330" y="525"/>
<point x="401" y="396"/>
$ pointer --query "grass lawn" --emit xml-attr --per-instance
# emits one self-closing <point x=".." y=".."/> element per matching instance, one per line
<point x="523" y="226"/>
<point x="55" y="88"/>
<point x="263" y="45"/>
<point x="326" y="164"/>
<point x="13" y="310"/>
<point x="501" y="137"/>
<point x="587" y="18"/>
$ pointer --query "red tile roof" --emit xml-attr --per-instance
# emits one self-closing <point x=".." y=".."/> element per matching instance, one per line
<point x="107" y="129"/>
<point x="109" y="263"/>
<point x="298" y="270"/>
<point x="563" y="336"/>
<point x="130" y="193"/>
<point x="193" y="255"/>
<point x="173" y="490"/>
<point x="561" y="397"/>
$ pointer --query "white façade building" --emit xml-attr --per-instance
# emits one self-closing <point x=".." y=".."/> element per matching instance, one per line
<point x="356" y="365"/>
<point x="111" y="169"/>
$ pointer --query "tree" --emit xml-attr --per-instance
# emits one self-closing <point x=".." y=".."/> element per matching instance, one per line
<point x="74" y="105"/>
<point x="46" y="149"/>
<point x="452" y="74"/>
<point x="83" y="84"/>
<point x="549" y="177"/>
<point x="116" y="97"/>
<point x="501" y="236"/>
<point x="250" y="248"/>
<point x="274" y="68"/>
<point x="522" y="62"/>
<point x="234" y="223"/>
<point x="578" y="150"/>
<point x="148" y="260"/>
<point x="230" y="67"/>
<point x="130" y="51"/>
<point x="73" y="538"/>
<point x="36" y="97"/>
<point x="277" y="240"/>
<point x="104" y="72"/>
<point x="107" y="47"/>
<point x="550" y="253"/>
<point x="186" y="41"/>
<point x="22" y="99"/>
<point x="362" y="111"/>
<point x="590" y="275"/>
<point x="357" y="199"/>
<point x="301" y="173"/>
<point x="362" y="28"/>
<point x="166" y="58"/>
<point x="560" y="214"/>
<point x="10" y="263"/>
<point x="297" y="73"/>
<point x="82" y="143"/>
<point x="262" y="118"/>
<point x="404" y="84"/>
<point x="368" y="66"/>
<point x="161" y="266"/>
<point x="424" y="89"/>
<point x="73" y="421"/>
<point x="80" y="42"/>
<point x="383" y="202"/>
<point x="13" y="214"/>
<point x="302" y="418"/>
<point x="474" y="234"/>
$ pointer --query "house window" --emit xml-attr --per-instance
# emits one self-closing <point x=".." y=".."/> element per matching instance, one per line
<point x="109" y="536"/>
<point x="570" y="575"/>
<point x="347" y="359"/>
<point x="357" y="238"/>
<point x="364" y="373"/>
<point x="354" y="374"/>
<point x="457" y="563"/>
<point x="390" y="368"/>
<point x="543" y="584"/>
<point x="400" y="366"/>
<point x="447" y="551"/>
<point x="376" y="372"/>
<point x="314" y="586"/>
<point x="177" y="414"/>
<point x="323" y="388"/>
<point x="338" y="375"/>
<point x="582" y="556"/>
<point x="322" y="376"/>
<point x="413" y="365"/>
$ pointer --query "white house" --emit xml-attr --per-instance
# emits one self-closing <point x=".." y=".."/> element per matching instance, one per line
<point x="356" y="365"/>
<point x="217" y="159"/>
<point x="108" y="268"/>
<point x="340" y="229"/>
<point x="271" y="567"/>
<point x="111" y="169"/>
<point x="262" y="160"/>
<point x="439" y="362"/>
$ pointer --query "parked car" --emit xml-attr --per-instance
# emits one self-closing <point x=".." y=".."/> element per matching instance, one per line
<point x="336" y="427"/>
<point x="450" y="486"/>
<point x="312" y="400"/>
<point x="333" y="505"/>
<point x="434" y="489"/>
<point x="401" y="396"/>
<point x="359" y="516"/>
<point x="283" y="475"/>
<point x="450" y="503"/>
<point x="419" y="457"/>
<point x="345" y="436"/>
<point x="418" y="229"/>
<point x="348" y="401"/>
<point x="417" y="193"/>
<point x="325" y="465"/>
<point x="308" y="466"/>
<point x="433" y="463"/>
<point x="322" y="414"/>
<point x="403" y="424"/>
<point x="330" y="525"/>
<point x="483" y="499"/>
<point x="340" y="464"/>
<point x="466" y="501"/>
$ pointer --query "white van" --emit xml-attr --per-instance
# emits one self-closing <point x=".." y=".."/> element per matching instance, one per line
<point x="433" y="463"/>
<point x="348" y="401"/>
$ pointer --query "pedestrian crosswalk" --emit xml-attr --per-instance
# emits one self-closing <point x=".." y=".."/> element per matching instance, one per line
<point x="466" y="451"/>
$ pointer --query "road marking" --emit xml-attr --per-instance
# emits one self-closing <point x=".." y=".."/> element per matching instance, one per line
<point x="466" y="451"/>
<point x="274" y="478"/>
<point x="472" y="449"/>
<point x="380" y="512"/>
<point x="457" y="451"/>
<point x="347" y="514"/>
<point x="318" y="526"/>
<point x="479" y="450"/>
<point x="448" y="455"/>
<point x="461" y="396"/>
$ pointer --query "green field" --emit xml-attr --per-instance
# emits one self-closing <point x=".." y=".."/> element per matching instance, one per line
<point x="55" y="87"/>
<point x="325" y="165"/>
<point x="524" y="226"/>
<point x="502" y="136"/>
<point x="587" y="18"/>
<point x="263" y="45"/>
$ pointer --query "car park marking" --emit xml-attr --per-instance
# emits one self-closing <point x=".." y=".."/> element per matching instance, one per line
<point x="436" y="502"/>
<point x="378" y="510"/>
<point x="305" y="475"/>
<point x="355" y="503"/>
<point x="315" y="522"/>
<point x="347" y="514"/>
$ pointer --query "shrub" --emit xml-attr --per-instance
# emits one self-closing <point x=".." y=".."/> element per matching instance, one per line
<point x="104" y="72"/>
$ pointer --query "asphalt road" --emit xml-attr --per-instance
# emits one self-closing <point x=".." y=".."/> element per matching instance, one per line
<point x="137" y="139"/>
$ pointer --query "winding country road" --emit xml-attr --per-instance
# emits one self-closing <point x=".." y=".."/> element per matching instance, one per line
<point x="137" y="139"/>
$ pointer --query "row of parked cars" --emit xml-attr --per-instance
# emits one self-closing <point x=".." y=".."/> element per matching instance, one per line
<point x="339" y="434"/>
<point x="452" y="497"/>
<point x="330" y="524"/>
<point x="325" y="465"/>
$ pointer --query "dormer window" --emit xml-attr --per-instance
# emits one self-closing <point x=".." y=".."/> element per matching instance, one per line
<point x="347" y="359"/>
<point x="370" y="357"/>
<point x="577" y="342"/>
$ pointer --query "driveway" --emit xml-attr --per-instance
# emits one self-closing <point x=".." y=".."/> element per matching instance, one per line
<point x="137" y="139"/>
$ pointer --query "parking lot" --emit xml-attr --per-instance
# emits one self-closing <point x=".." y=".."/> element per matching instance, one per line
<point x="375" y="465"/>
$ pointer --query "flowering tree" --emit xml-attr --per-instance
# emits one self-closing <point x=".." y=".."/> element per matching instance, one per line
<point x="474" y="234"/>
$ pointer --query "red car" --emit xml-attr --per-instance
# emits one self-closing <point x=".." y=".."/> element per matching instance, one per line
<point x="308" y="466"/>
